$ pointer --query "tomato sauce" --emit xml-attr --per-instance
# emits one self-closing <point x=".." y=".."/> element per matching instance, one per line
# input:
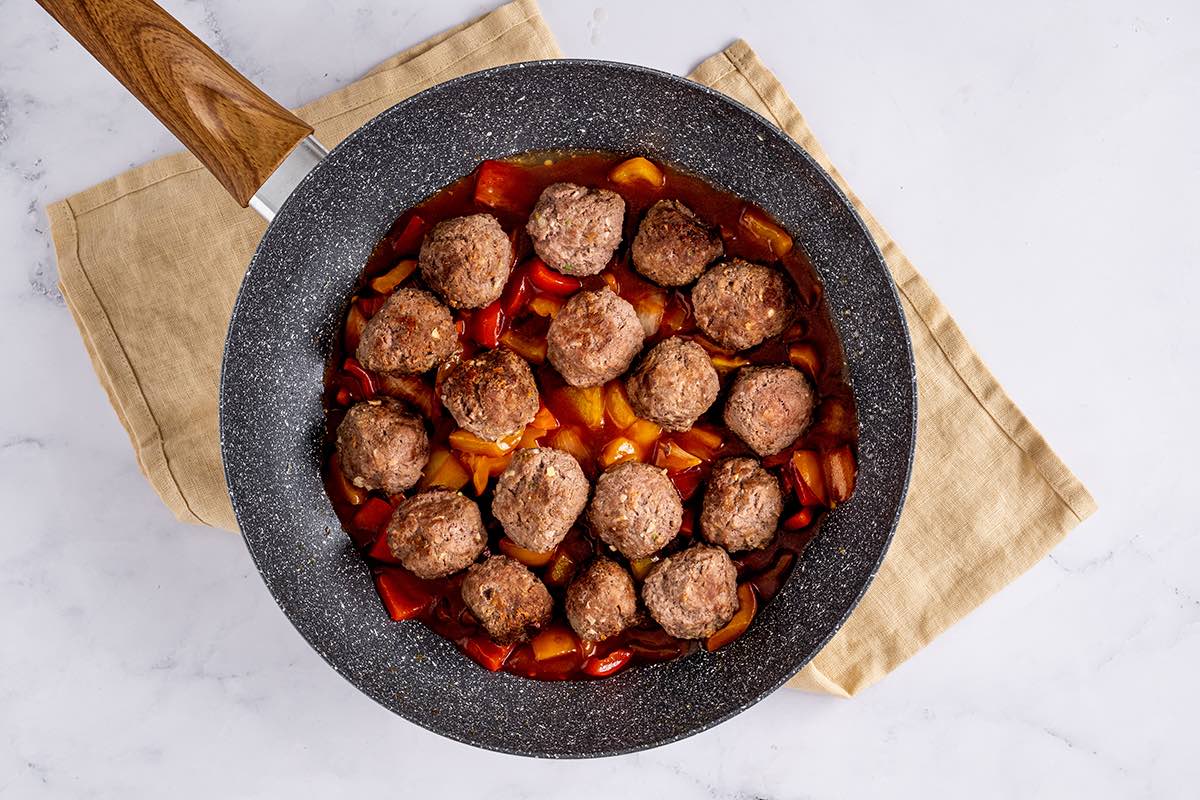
<point x="594" y="425"/>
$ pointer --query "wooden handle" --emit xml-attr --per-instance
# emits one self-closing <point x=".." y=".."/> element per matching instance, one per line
<point x="235" y="129"/>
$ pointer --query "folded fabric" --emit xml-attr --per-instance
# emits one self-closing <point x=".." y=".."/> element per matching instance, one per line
<point x="151" y="260"/>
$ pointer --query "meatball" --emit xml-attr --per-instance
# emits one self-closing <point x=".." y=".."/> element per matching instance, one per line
<point x="769" y="407"/>
<point x="492" y="395"/>
<point x="539" y="497"/>
<point x="594" y="338"/>
<point x="742" y="504"/>
<point x="508" y="600"/>
<point x="601" y="602"/>
<point x="382" y="445"/>
<point x="635" y="509"/>
<point x="673" y="245"/>
<point x="575" y="229"/>
<point x="412" y="332"/>
<point x="692" y="594"/>
<point x="739" y="304"/>
<point x="436" y="533"/>
<point x="466" y="260"/>
<point x="674" y="384"/>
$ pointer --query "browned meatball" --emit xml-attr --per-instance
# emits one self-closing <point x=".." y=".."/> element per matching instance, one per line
<point x="739" y="304"/>
<point x="674" y="384"/>
<point x="539" y="497"/>
<point x="412" y="332"/>
<point x="635" y="509"/>
<point x="436" y="533"/>
<point x="742" y="504"/>
<point x="382" y="445"/>
<point x="492" y="395"/>
<point x="594" y="338"/>
<point x="508" y="600"/>
<point x="601" y="602"/>
<point x="673" y="245"/>
<point x="692" y="594"/>
<point x="466" y="260"/>
<point x="575" y="229"/>
<point x="769" y="407"/>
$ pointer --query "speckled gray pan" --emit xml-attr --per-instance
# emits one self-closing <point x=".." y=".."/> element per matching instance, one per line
<point x="292" y="304"/>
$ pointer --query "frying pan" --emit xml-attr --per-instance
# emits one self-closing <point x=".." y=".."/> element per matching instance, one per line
<point x="328" y="211"/>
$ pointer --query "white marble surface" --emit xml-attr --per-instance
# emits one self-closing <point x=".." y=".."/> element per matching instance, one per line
<point x="1037" y="160"/>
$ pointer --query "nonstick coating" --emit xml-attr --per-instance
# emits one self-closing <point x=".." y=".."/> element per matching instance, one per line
<point x="292" y="304"/>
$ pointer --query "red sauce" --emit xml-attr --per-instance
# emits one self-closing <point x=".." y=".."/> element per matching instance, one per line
<point x="507" y="190"/>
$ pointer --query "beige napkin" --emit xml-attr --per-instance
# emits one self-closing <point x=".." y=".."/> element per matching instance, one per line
<point x="151" y="260"/>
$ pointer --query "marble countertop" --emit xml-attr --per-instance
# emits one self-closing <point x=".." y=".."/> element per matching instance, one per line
<point x="1038" y="161"/>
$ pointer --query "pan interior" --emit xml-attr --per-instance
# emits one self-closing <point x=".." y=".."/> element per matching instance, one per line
<point x="292" y="303"/>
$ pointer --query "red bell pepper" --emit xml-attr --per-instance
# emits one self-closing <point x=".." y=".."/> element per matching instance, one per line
<point x="487" y="653"/>
<point x="551" y="281"/>
<point x="402" y="594"/>
<point x="603" y="666"/>
<point x="408" y="242"/>
<point x="504" y="186"/>
<point x="362" y="376"/>
<point x="373" y="515"/>
<point x="487" y="326"/>
<point x="516" y="293"/>
<point x="801" y="519"/>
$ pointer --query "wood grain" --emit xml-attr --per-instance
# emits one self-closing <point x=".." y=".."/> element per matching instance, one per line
<point x="239" y="133"/>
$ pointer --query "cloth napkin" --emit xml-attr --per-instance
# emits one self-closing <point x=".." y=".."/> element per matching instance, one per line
<point x="151" y="260"/>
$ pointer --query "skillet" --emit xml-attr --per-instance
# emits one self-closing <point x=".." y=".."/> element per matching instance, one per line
<point x="329" y="210"/>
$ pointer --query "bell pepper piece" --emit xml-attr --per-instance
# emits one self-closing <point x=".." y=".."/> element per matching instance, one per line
<point x="486" y="653"/>
<point x="364" y="378"/>
<point x="408" y="241"/>
<point x="561" y="568"/>
<point x="546" y="305"/>
<point x="617" y="406"/>
<point x="352" y="494"/>
<point x="840" y="469"/>
<point x="747" y="607"/>
<point x="617" y="450"/>
<point x="800" y="520"/>
<point x="403" y="595"/>
<point x="700" y="442"/>
<point x="355" y="322"/>
<point x="551" y="281"/>
<point x="755" y="222"/>
<point x="388" y="281"/>
<point x="687" y="481"/>
<point x="467" y="442"/>
<point x="804" y="356"/>
<point x="444" y="470"/>
<point x="370" y="305"/>
<point x="530" y="558"/>
<point x="645" y="433"/>
<point x="640" y="567"/>
<point x="611" y="664"/>
<point x="553" y="641"/>
<point x="638" y="171"/>
<point x="808" y="474"/>
<point x="529" y="347"/>
<point x="586" y="404"/>
<point x="544" y="419"/>
<point x="487" y="325"/>
<point x="373" y="515"/>
<point x="516" y="293"/>
<point x="504" y="186"/>
<point x="673" y="457"/>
